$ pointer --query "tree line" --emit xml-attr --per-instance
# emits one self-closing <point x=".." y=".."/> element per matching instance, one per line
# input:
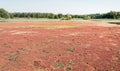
<point x="5" y="14"/>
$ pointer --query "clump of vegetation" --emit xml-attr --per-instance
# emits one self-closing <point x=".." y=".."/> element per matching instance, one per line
<point x="59" y="64"/>
<point x="70" y="50"/>
<point x="51" y="27"/>
<point x="4" y="14"/>
<point x="36" y="63"/>
<point x="66" y="17"/>
<point x="87" y="17"/>
<point x="68" y="69"/>
<point x="14" y="56"/>
<point x="109" y="15"/>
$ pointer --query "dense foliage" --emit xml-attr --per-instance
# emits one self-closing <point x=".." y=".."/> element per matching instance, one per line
<point x="109" y="15"/>
<point x="4" y="13"/>
<point x="41" y="15"/>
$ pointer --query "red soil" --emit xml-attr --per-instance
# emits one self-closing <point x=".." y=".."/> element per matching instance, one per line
<point x="91" y="47"/>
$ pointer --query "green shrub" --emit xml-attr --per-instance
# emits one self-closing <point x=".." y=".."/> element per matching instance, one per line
<point x="66" y="17"/>
<point x="87" y="17"/>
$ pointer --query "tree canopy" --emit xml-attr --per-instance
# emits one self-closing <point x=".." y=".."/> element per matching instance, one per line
<point x="109" y="15"/>
<point x="4" y="13"/>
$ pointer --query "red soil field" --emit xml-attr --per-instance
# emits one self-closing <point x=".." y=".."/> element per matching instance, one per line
<point x="59" y="46"/>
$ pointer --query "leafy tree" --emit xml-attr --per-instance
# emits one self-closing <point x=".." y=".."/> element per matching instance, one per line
<point x="4" y="13"/>
<point x="51" y="16"/>
<point x="69" y="17"/>
<point x="56" y="17"/>
<point x="66" y="17"/>
<point x="109" y="15"/>
<point x="11" y="15"/>
<point x="60" y="15"/>
<point x="87" y="17"/>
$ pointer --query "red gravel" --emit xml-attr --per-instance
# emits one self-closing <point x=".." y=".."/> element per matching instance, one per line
<point x="91" y="47"/>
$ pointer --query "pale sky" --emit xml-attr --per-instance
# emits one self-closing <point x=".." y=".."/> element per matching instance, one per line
<point x="61" y="6"/>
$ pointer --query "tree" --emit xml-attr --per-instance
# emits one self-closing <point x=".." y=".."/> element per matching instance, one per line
<point x="60" y="15"/>
<point x="113" y="14"/>
<point x="87" y="17"/>
<point x="4" y="13"/>
<point x="51" y="16"/>
<point x="66" y="17"/>
<point x="69" y="17"/>
<point x="56" y="17"/>
<point x="11" y="15"/>
<point x="109" y="15"/>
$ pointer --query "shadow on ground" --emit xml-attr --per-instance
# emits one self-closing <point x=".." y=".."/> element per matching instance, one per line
<point x="118" y="23"/>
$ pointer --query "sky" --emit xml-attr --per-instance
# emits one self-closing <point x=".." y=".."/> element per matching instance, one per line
<point x="61" y="6"/>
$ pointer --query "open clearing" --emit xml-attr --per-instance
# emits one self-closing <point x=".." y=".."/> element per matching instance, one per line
<point x="59" y="46"/>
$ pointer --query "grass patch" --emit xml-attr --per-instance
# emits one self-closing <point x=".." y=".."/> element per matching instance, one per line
<point x="70" y="50"/>
<point x="29" y="20"/>
<point x="68" y="69"/>
<point x="51" y="27"/>
<point x="14" y="56"/>
<point x="59" y="64"/>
